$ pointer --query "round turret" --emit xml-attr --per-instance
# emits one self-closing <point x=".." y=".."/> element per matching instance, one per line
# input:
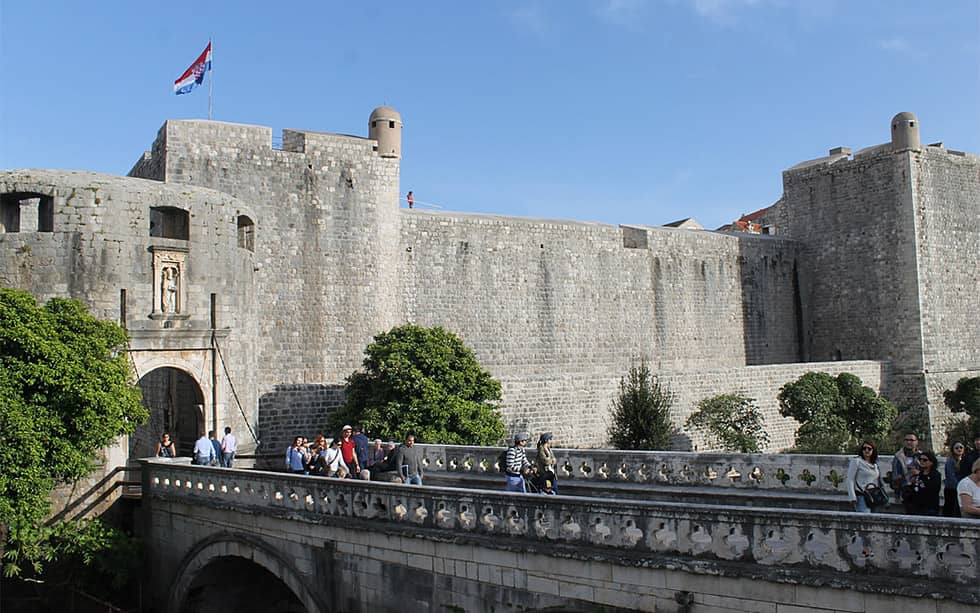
<point x="905" y="131"/>
<point x="385" y="126"/>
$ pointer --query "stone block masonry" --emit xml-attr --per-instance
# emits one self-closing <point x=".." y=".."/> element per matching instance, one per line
<point x="873" y="267"/>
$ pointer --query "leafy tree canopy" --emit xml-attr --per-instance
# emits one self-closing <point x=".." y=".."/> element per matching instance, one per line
<point x="733" y="421"/>
<point x="641" y="412"/>
<point x="965" y="398"/>
<point x="65" y="394"/>
<point x="835" y="413"/>
<point x="423" y="381"/>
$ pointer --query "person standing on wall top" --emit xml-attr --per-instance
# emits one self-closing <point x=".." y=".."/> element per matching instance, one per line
<point x="165" y="448"/>
<point x="296" y="457"/>
<point x="229" y="447"/>
<point x="411" y="199"/>
<point x="204" y="451"/>
<point x="517" y="465"/>
<point x="408" y="459"/>
<point x="904" y="463"/>
<point x="862" y="473"/>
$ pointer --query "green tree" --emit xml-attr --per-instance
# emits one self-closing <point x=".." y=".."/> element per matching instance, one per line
<point x="423" y="381"/>
<point x="65" y="394"/>
<point x="641" y="412"/>
<point x="964" y="398"/>
<point x="733" y="421"/>
<point x="835" y="413"/>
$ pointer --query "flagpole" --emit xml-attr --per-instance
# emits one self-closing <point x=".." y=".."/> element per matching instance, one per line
<point x="211" y="82"/>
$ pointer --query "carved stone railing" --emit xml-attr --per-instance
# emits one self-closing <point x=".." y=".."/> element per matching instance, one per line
<point x="909" y="555"/>
<point x="785" y="472"/>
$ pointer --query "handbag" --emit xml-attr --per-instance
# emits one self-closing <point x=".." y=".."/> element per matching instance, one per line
<point x="875" y="496"/>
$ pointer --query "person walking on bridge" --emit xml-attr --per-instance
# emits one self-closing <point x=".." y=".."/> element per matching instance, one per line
<point x="862" y="475"/>
<point x="408" y="459"/>
<point x="905" y="464"/>
<point x="229" y="447"/>
<point x="516" y="465"/>
<point x="545" y="464"/>
<point x="204" y="451"/>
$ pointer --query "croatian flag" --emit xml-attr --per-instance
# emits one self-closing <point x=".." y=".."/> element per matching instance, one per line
<point x="195" y="74"/>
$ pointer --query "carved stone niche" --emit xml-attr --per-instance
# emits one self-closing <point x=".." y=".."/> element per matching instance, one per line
<point x="169" y="283"/>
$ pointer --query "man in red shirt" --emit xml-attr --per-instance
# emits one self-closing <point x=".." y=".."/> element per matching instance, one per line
<point x="347" y="449"/>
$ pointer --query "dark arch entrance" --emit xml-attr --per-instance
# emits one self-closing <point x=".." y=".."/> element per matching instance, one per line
<point x="236" y="584"/>
<point x="176" y="405"/>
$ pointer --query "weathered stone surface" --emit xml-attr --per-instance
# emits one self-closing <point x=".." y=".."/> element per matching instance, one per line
<point x="873" y="267"/>
<point x="718" y="556"/>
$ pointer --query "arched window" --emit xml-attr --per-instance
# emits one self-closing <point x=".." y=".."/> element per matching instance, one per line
<point x="26" y="212"/>
<point x="246" y="233"/>
<point x="169" y="222"/>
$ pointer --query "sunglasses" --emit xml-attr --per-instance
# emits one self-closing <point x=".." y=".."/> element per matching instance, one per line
<point x="866" y="448"/>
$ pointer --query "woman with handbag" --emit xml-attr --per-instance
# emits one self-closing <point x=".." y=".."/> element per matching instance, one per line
<point x="863" y="478"/>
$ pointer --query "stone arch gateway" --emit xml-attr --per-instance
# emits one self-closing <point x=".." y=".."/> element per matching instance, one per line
<point x="176" y="403"/>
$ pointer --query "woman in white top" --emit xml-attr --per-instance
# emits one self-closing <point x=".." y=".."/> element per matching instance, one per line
<point x="333" y="460"/>
<point x="969" y="493"/>
<point x="863" y="471"/>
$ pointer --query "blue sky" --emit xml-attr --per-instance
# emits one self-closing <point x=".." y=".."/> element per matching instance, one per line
<point x="619" y="111"/>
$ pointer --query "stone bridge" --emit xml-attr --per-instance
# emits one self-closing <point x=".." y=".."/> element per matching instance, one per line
<point x="221" y="539"/>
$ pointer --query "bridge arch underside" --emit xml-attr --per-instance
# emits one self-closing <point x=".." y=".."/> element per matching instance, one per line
<point x="236" y="572"/>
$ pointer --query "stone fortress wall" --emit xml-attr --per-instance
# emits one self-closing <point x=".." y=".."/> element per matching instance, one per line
<point x="865" y="250"/>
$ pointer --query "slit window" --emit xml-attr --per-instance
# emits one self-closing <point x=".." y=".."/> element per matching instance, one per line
<point x="169" y="222"/>
<point x="26" y="212"/>
<point x="391" y="124"/>
<point x="246" y="233"/>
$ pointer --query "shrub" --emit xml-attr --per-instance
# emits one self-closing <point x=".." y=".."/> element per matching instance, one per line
<point x="426" y="382"/>
<point x="835" y="413"/>
<point x="733" y="421"/>
<point x="641" y="412"/>
<point x="965" y="398"/>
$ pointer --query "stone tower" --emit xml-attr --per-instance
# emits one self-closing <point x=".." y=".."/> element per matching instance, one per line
<point x="905" y="131"/>
<point x="385" y="126"/>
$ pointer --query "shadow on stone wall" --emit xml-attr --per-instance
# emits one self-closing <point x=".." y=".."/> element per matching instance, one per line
<point x="772" y="315"/>
<point x="292" y="410"/>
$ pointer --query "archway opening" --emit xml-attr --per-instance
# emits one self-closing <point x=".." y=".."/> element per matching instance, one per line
<point x="176" y="405"/>
<point x="236" y="584"/>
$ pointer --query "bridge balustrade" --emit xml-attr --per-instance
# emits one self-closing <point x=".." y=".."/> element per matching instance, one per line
<point x="782" y="472"/>
<point x="910" y="556"/>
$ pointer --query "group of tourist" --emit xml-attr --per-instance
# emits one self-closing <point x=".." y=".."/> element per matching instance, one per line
<point x="916" y="480"/>
<point x="352" y="455"/>
<point x="208" y="450"/>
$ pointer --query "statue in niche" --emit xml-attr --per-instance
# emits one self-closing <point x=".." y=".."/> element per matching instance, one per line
<point x="169" y="284"/>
